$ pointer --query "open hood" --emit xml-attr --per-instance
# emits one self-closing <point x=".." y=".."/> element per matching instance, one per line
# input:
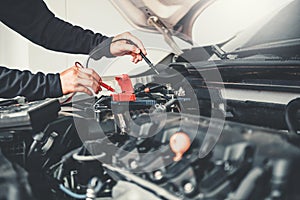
<point x="174" y="17"/>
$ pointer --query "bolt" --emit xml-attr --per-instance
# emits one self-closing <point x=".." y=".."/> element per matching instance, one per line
<point x="219" y="162"/>
<point x="158" y="175"/>
<point x="188" y="187"/>
<point x="133" y="165"/>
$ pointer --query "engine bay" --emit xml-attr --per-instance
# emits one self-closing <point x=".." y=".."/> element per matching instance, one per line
<point x="173" y="137"/>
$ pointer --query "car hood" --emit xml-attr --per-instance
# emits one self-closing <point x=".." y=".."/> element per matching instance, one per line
<point x="178" y="16"/>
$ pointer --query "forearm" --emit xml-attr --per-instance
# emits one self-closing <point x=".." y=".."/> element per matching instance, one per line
<point x="32" y="86"/>
<point x="62" y="36"/>
<point x="33" y="20"/>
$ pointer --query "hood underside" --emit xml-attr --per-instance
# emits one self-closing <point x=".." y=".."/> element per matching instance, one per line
<point x="178" y="16"/>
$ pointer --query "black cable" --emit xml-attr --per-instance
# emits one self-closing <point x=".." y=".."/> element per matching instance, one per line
<point x="291" y="115"/>
<point x="103" y="49"/>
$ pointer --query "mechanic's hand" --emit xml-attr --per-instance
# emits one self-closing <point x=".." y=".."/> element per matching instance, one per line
<point x="76" y="79"/>
<point x="124" y="47"/>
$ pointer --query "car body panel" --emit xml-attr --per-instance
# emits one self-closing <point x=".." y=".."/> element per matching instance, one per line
<point x="177" y="15"/>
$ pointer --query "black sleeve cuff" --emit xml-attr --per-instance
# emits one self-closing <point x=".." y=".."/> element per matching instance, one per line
<point x="102" y="49"/>
<point x="54" y="85"/>
<point x="32" y="86"/>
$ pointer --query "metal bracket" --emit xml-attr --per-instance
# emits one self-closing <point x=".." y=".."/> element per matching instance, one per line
<point x="163" y="29"/>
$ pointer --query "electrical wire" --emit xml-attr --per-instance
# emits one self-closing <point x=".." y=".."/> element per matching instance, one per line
<point x="78" y="157"/>
<point x="291" y="115"/>
<point x="71" y="194"/>
<point x="78" y="65"/>
<point x="94" y="187"/>
<point x="97" y="49"/>
<point x="96" y="184"/>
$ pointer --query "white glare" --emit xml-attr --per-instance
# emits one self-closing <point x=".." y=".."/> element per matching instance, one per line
<point x="225" y="18"/>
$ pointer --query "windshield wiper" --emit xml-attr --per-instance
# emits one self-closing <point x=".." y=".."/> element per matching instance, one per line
<point x="219" y="52"/>
<point x="267" y="46"/>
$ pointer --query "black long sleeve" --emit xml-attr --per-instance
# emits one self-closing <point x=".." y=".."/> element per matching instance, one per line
<point x="32" y="86"/>
<point x="33" y="20"/>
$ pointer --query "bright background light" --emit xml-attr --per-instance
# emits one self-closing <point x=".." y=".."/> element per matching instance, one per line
<point x="219" y="22"/>
<point x="225" y="18"/>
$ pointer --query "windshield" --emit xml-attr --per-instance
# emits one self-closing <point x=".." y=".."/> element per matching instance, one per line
<point x="274" y="37"/>
<point x="284" y="26"/>
<point x="225" y="18"/>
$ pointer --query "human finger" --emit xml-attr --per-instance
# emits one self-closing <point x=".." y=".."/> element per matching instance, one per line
<point x="136" y="60"/>
<point x="94" y="85"/>
<point x="81" y="88"/>
<point x="136" y="57"/>
<point x="136" y="41"/>
<point x="88" y="73"/>
<point x="128" y="48"/>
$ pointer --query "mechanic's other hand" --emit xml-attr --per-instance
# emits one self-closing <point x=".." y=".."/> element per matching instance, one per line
<point x="76" y="79"/>
<point x="124" y="47"/>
